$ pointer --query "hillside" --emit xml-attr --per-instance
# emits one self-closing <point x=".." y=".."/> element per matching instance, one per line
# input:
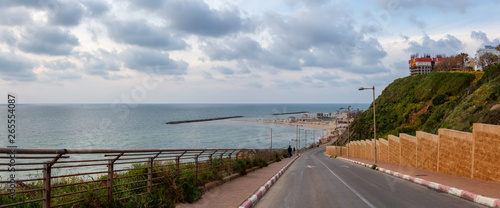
<point x="428" y="102"/>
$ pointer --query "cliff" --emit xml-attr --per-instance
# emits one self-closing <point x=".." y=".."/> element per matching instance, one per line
<point x="427" y="102"/>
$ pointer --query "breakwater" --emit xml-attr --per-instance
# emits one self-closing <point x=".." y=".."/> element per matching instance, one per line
<point x="277" y="114"/>
<point x="202" y="120"/>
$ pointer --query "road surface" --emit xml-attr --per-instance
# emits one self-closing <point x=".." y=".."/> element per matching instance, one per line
<point x="315" y="180"/>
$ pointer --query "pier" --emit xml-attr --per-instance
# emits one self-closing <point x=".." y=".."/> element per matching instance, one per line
<point x="277" y="114"/>
<point x="203" y="120"/>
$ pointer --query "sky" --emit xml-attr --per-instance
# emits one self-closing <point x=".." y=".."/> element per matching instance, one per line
<point x="227" y="51"/>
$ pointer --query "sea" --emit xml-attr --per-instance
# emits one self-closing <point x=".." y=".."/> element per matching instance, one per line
<point x="143" y="126"/>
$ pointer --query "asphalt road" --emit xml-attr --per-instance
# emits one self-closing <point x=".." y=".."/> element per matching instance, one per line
<point x="315" y="180"/>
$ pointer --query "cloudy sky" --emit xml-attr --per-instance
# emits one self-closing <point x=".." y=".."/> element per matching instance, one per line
<point x="227" y="51"/>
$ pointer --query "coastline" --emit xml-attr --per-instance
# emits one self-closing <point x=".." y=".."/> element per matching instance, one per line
<point x="329" y="127"/>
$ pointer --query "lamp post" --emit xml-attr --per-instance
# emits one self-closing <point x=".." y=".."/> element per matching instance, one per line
<point x="348" y="129"/>
<point x="374" y="122"/>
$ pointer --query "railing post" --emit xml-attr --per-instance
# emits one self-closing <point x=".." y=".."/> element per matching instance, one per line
<point x="220" y="162"/>
<point x="46" y="185"/>
<point x="230" y="171"/>
<point x="150" y="174"/>
<point x="110" y="180"/>
<point x="196" y="168"/>
<point x="177" y="166"/>
<point x="211" y="161"/>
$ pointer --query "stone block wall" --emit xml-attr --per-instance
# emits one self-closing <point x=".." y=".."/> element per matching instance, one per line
<point x="455" y="152"/>
<point x="394" y="149"/>
<point x="408" y="150"/>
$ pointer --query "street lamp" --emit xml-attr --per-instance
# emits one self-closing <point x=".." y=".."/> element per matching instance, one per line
<point x="374" y="122"/>
<point x="348" y="129"/>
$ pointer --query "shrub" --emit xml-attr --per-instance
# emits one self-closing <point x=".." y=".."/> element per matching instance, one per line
<point x="277" y="156"/>
<point x="190" y="191"/>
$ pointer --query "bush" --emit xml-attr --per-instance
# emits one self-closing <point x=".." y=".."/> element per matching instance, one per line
<point x="277" y="156"/>
<point x="259" y="162"/>
<point x="240" y="166"/>
<point x="190" y="191"/>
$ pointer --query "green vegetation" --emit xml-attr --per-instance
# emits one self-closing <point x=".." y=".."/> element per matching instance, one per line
<point x="427" y="102"/>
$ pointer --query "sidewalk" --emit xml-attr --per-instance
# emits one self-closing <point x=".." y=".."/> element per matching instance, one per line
<point x="235" y="192"/>
<point x="485" y="188"/>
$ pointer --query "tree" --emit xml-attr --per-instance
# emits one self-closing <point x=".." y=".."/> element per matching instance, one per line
<point x="448" y="64"/>
<point x="488" y="59"/>
<point x="463" y="58"/>
<point x="498" y="47"/>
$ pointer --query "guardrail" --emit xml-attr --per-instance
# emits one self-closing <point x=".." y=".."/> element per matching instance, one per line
<point x="68" y="174"/>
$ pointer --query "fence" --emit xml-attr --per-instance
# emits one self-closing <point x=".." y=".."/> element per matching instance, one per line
<point x="473" y="155"/>
<point x="67" y="175"/>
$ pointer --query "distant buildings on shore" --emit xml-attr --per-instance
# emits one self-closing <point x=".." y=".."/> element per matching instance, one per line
<point x="425" y="64"/>
<point x="482" y="51"/>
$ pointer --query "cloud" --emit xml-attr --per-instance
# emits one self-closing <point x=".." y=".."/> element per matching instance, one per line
<point x="152" y="61"/>
<point x="223" y="70"/>
<point x="14" y="67"/>
<point x="282" y="84"/>
<point x="142" y="33"/>
<point x="449" y="45"/>
<point x="48" y="40"/>
<point x="395" y="6"/>
<point x="7" y="36"/>
<point x="95" y="8"/>
<point x="196" y="17"/>
<point x="323" y="76"/>
<point x="306" y="79"/>
<point x="66" y="14"/>
<point x="100" y="62"/>
<point x="206" y="75"/>
<point x="255" y="85"/>
<point x="323" y="37"/>
<point x="481" y="36"/>
<point x="60" y="64"/>
<point x="14" y="16"/>
<point x="413" y="19"/>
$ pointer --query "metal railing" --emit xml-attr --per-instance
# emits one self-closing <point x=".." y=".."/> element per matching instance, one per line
<point x="68" y="174"/>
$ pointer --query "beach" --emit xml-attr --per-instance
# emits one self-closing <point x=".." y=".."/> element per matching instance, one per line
<point x="331" y="126"/>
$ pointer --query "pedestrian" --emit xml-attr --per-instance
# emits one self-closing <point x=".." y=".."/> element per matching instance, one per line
<point x="289" y="151"/>
<point x="294" y="150"/>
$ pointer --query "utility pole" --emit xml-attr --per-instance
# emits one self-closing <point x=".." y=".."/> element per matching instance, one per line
<point x="271" y="139"/>
<point x="296" y="140"/>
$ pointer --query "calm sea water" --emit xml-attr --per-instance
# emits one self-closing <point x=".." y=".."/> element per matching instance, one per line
<point x="106" y="126"/>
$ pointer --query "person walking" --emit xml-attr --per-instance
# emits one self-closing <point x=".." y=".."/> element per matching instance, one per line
<point x="294" y="151"/>
<point x="289" y="151"/>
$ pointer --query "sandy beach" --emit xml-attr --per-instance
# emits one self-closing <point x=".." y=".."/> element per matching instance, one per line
<point x="331" y="128"/>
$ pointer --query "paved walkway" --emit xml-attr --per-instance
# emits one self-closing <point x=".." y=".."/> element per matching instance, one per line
<point x="233" y="193"/>
<point x="485" y="188"/>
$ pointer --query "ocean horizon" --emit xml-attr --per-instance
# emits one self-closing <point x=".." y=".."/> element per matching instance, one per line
<point x="143" y="126"/>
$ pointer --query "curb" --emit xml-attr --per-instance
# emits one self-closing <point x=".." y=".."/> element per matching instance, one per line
<point x="252" y="200"/>
<point x="487" y="201"/>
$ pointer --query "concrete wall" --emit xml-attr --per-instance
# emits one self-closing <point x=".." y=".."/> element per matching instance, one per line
<point x="486" y="150"/>
<point x="369" y="149"/>
<point x="455" y="152"/>
<point x="427" y="151"/>
<point x="383" y="150"/>
<point x="473" y="155"/>
<point x="408" y="150"/>
<point x="394" y="149"/>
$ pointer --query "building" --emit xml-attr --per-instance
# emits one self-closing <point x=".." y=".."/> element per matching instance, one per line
<point x="482" y="51"/>
<point x="423" y="64"/>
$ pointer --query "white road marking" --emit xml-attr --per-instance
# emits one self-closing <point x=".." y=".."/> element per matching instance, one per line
<point x="348" y="186"/>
